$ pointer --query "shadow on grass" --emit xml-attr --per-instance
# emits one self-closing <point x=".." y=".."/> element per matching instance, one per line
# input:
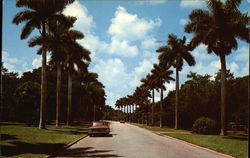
<point x="69" y="132"/>
<point x="87" y="152"/>
<point x="243" y="138"/>
<point x="18" y="148"/>
<point x="10" y="123"/>
<point x="7" y="137"/>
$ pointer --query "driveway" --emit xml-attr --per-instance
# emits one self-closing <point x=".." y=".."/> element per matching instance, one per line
<point x="133" y="142"/>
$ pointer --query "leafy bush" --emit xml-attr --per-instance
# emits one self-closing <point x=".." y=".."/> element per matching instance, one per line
<point x="204" y="125"/>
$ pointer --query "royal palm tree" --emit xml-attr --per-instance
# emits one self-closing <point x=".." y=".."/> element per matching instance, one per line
<point x="94" y="89"/>
<point x="173" y="54"/>
<point x="77" y="60"/>
<point x="218" y="28"/>
<point x="58" y="35"/>
<point x="151" y="82"/>
<point x="36" y="16"/>
<point x="162" y="75"/>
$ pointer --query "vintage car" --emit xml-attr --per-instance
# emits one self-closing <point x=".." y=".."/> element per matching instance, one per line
<point x="122" y="121"/>
<point x="99" y="128"/>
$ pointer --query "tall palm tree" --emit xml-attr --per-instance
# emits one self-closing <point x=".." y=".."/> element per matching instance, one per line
<point x="151" y="82"/>
<point x="37" y="15"/>
<point x="57" y="36"/>
<point x="163" y="75"/>
<point x="95" y="90"/>
<point x="218" y="28"/>
<point x="77" y="60"/>
<point x="173" y="54"/>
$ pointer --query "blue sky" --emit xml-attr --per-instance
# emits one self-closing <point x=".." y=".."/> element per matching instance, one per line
<point x="123" y="37"/>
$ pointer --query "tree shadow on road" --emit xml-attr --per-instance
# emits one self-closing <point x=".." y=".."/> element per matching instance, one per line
<point x="87" y="152"/>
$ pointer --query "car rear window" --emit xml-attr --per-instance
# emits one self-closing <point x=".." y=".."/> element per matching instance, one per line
<point x="100" y="123"/>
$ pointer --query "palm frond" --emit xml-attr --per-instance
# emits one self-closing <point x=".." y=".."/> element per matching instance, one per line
<point x="28" y="28"/>
<point x="232" y="4"/>
<point x="188" y="58"/>
<point x="22" y="16"/>
<point x="37" y="40"/>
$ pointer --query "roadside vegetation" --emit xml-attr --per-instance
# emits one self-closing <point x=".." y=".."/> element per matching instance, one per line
<point x="20" y="140"/>
<point x="234" y="144"/>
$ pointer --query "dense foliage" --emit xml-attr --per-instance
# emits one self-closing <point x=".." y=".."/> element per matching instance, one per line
<point x="21" y="97"/>
<point x="200" y="96"/>
<point x="204" y="125"/>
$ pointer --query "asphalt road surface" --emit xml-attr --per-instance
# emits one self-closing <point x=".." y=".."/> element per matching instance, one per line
<point x="133" y="142"/>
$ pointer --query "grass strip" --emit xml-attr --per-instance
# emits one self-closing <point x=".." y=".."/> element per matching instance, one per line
<point x="231" y="145"/>
<point x="19" y="140"/>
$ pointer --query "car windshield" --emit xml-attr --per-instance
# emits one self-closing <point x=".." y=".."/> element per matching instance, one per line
<point x="100" y="123"/>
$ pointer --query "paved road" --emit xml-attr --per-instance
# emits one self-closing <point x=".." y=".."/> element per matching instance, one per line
<point x="134" y="142"/>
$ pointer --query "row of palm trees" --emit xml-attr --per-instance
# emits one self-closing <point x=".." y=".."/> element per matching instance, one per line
<point x="57" y="36"/>
<point x="218" y="28"/>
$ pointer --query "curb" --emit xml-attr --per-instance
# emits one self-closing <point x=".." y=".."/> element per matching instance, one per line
<point x="65" y="147"/>
<point x="193" y="145"/>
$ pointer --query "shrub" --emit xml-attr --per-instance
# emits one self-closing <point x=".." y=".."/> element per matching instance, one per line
<point x="204" y="125"/>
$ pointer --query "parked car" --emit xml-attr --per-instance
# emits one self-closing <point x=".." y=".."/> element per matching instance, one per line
<point x="122" y="121"/>
<point x="99" y="128"/>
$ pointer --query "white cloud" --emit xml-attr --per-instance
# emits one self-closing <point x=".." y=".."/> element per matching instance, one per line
<point x="125" y="26"/>
<point x="9" y="62"/>
<point x="112" y="72"/>
<point x="245" y="69"/>
<point x="14" y="64"/>
<point x="183" y="21"/>
<point x="233" y="67"/>
<point x="149" y="43"/>
<point x="123" y="48"/>
<point x="8" y="59"/>
<point x="242" y="54"/>
<point x="200" y="53"/>
<point x="144" y="67"/>
<point x="192" y="3"/>
<point x="84" y="21"/>
<point x="151" y="2"/>
<point x="37" y="62"/>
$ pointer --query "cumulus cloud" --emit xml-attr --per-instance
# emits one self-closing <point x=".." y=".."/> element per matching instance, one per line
<point x="149" y="43"/>
<point x="37" y="62"/>
<point x="84" y="21"/>
<point x="10" y="62"/>
<point x="126" y="26"/>
<point x="192" y="3"/>
<point x="151" y="2"/>
<point x="14" y="64"/>
<point x="210" y="63"/>
<point x="117" y="79"/>
<point x="122" y="47"/>
<point x="242" y="54"/>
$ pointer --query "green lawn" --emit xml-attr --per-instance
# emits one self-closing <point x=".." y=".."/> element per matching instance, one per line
<point x="231" y="145"/>
<point x="19" y="140"/>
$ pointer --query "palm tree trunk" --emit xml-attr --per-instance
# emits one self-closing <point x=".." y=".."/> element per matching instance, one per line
<point x="94" y="113"/>
<point x="223" y="93"/>
<point x="142" y="116"/>
<point x="177" y="98"/>
<point x="42" y="120"/>
<point x="138" y="117"/>
<point x="58" y="93"/>
<point x="69" y="98"/>
<point x="153" y="104"/>
<point x="161" y="107"/>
